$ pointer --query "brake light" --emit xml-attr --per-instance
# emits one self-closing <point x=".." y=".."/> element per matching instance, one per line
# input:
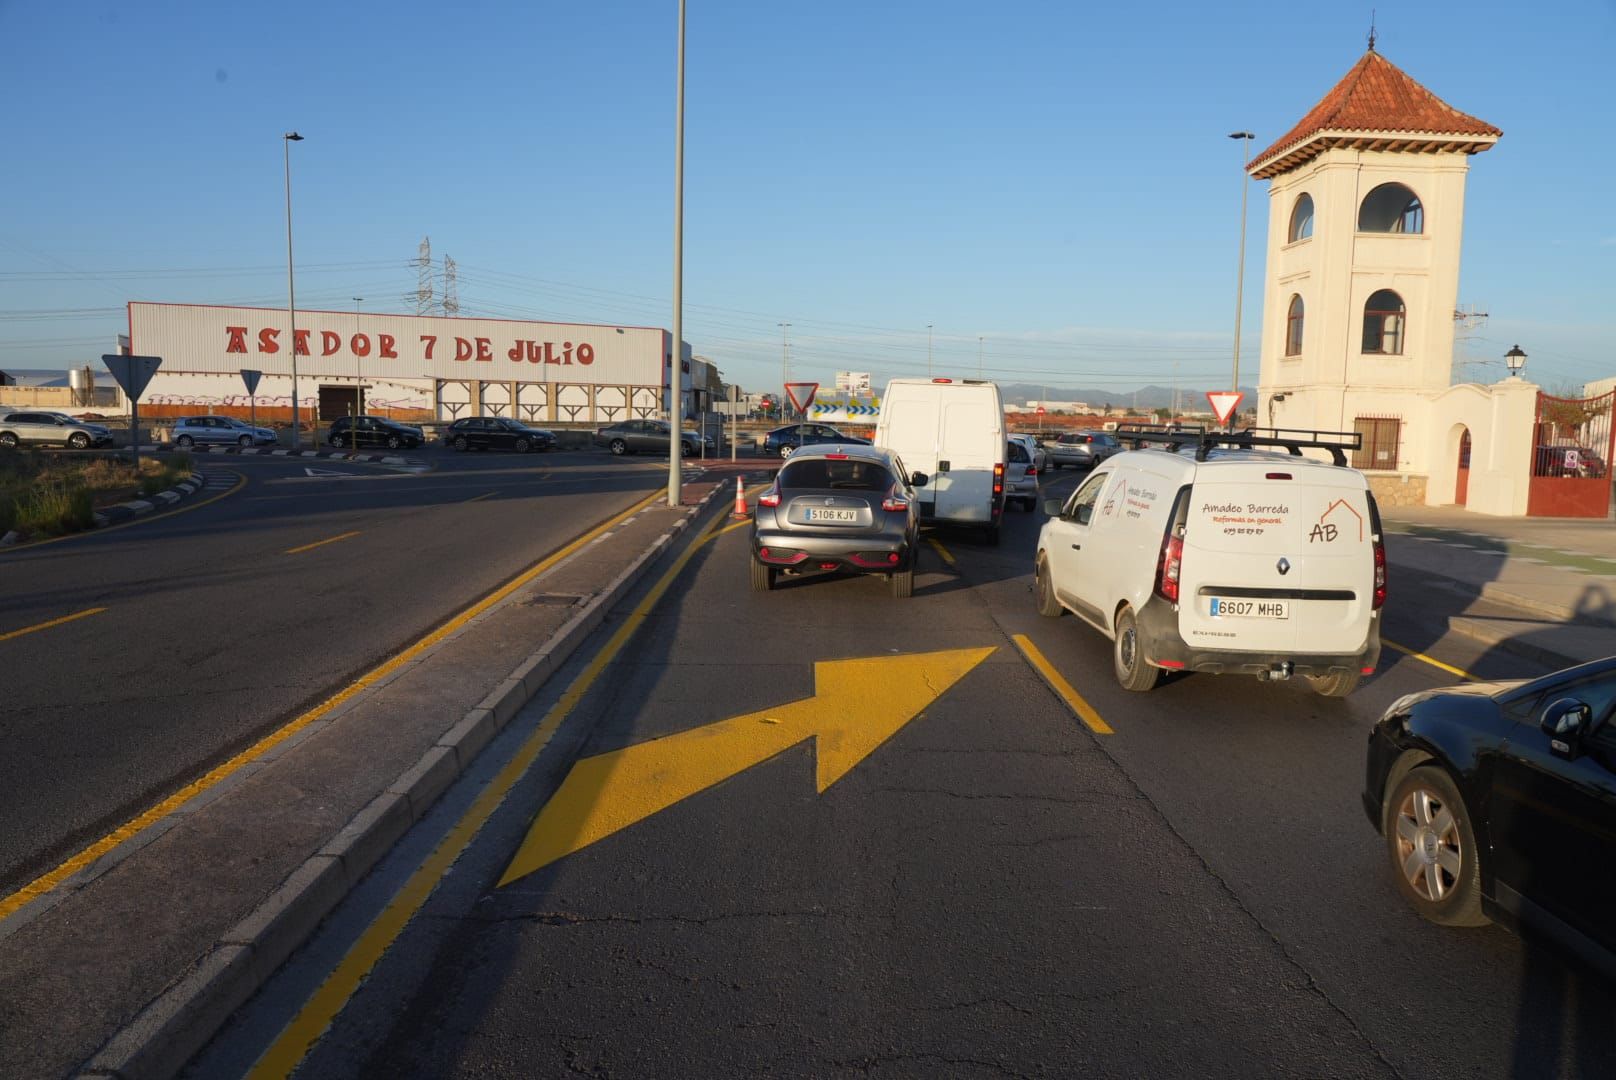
<point x="943" y="380"/>
<point x="835" y="457"/>
<point x="998" y="479"/>
<point x="895" y="504"/>
<point x="1031" y="471"/>
<point x="1168" y="565"/>
<point x="1277" y="476"/>
<point x="1380" y="573"/>
<point x="770" y="497"/>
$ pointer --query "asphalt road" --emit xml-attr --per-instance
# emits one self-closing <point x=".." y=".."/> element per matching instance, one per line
<point x="220" y="622"/>
<point x="997" y="890"/>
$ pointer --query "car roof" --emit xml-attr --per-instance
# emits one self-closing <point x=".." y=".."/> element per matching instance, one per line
<point x="859" y="451"/>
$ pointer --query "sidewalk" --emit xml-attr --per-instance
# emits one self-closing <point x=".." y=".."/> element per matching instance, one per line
<point x="1540" y="587"/>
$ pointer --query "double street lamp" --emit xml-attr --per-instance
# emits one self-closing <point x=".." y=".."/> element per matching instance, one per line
<point x="291" y="295"/>
<point x="1245" y="138"/>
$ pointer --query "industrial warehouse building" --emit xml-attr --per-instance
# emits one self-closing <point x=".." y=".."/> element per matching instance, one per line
<point x="415" y="367"/>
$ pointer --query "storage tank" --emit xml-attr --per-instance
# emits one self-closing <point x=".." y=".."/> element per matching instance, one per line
<point x="81" y="381"/>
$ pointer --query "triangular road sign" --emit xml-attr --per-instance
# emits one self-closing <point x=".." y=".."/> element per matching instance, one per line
<point x="250" y="378"/>
<point x="801" y="394"/>
<point x="1224" y="403"/>
<point x="132" y="372"/>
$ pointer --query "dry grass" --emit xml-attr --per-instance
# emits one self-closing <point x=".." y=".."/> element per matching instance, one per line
<point x="42" y="495"/>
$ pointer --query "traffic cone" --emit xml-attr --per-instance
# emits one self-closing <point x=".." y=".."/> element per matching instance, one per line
<point x="740" y="500"/>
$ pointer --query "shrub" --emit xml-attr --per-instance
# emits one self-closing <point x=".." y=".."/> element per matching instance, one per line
<point x="55" y="509"/>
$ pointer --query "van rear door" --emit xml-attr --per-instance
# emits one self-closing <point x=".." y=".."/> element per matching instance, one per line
<point x="970" y="444"/>
<point x="1278" y="557"/>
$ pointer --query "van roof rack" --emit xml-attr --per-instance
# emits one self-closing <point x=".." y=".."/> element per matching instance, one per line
<point x="1292" y="439"/>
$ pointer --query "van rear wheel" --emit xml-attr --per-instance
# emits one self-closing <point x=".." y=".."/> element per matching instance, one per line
<point x="1128" y="656"/>
<point x="1338" y="684"/>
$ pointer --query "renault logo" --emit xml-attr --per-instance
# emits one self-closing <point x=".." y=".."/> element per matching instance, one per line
<point x="1284" y="565"/>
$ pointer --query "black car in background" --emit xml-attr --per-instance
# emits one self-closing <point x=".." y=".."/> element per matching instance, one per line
<point x="783" y="440"/>
<point x="373" y="431"/>
<point x="497" y="433"/>
<point x="1497" y="801"/>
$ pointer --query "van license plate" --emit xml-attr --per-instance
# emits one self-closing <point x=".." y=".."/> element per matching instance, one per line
<point x="837" y="517"/>
<point x="1223" y="608"/>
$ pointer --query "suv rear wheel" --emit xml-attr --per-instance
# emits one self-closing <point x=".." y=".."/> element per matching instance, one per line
<point x="1128" y="656"/>
<point x="903" y="583"/>
<point x="762" y="577"/>
<point x="78" y="440"/>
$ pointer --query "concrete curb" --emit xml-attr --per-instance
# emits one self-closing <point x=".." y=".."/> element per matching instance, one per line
<point x="249" y="451"/>
<point x="176" y="1025"/>
<point x="1488" y="633"/>
<point x="113" y="515"/>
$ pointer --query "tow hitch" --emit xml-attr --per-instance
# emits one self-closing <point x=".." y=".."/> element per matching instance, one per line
<point x="1278" y="673"/>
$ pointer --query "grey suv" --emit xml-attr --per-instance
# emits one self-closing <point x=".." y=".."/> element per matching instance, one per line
<point x="18" y="427"/>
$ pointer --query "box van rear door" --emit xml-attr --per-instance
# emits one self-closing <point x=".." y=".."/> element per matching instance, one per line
<point x="1277" y="558"/>
<point x="970" y="444"/>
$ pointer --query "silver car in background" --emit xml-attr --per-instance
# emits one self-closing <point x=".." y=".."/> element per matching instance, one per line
<point x="33" y="427"/>
<point x="220" y="431"/>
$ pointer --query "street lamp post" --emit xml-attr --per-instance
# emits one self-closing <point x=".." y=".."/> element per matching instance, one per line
<point x="1245" y="138"/>
<point x="1516" y="360"/>
<point x="359" y="375"/>
<point x="291" y="295"/>
<point x="676" y="365"/>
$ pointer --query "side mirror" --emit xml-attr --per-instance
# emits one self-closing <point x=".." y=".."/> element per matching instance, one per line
<point x="1052" y="507"/>
<point x="919" y="479"/>
<point x="1565" y="722"/>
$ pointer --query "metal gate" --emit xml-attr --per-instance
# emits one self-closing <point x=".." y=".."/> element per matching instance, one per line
<point x="1571" y="453"/>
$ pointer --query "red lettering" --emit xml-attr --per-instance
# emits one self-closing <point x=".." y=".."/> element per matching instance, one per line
<point x="360" y="344"/>
<point x="385" y="350"/>
<point x="535" y="353"/>
<point x="549" y="353"/>
<point x="566" y="353"/>
<point x="485" y="350"/>
<point x="238" y="339"/>
<point x="516" y="352"/>
<point x="463" y="349"/>
<point x="330" y="342"/>
<point x="300" y="339"/>
<point x="267" y="342"/>
<point x="429" y="340"/>
<point x="586" y="353"/>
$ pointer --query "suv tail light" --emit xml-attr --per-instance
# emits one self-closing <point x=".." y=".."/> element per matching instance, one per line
<point x="1380" y="573"/>
<point x="895" y="503"/>
<point x="1168" y="565"/>
<point x="769" y="497"/>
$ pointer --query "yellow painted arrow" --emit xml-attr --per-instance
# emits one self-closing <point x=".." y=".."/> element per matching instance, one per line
<point x="857" y="706"/>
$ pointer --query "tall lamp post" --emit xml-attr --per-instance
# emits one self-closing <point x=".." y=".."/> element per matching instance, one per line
<point x="1245" y="138"/>
<point x="291" y="295"/>
<point x="359" y="374"/>
<point x="1515" y="359"/>
<point x="676" y="366"/>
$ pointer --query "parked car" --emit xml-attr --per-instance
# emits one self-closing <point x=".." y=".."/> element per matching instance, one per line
<point x="783" y="440"/>
<point x="20" y="427"/>
<point x="1040" y="456"/>
<point x="219" y="430"/>
<point x="1081" y="449"/>
<point x="373" y="431"/>
<point x="838" y="508"/>
<point x="1577" y="461"/>
<point x="648" y="436"/>
<point x="497" y="433"/>
<point x="1230" y="559"/>
<point x="1020" y="476"/>
<point x="1497" y="801"/>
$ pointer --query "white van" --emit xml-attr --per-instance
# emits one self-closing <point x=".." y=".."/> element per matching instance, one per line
<point x="953" y="432"/>
<point x="1207" y="552"/>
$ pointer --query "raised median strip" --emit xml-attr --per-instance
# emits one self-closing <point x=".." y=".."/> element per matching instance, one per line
<point x="342" y="455"/>
<point x="218" y="920"/>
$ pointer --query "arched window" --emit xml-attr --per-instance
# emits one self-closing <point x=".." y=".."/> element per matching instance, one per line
<point x="1302" y="218"/>
<point x="1391" y="208"/>
<point x="1383" y="321"/>
<point x="1293" y="327"/>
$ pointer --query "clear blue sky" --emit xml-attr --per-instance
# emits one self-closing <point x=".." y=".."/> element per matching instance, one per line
<point x="1053" y="177"/>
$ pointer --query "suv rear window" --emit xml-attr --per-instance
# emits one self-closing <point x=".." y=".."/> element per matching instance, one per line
<point x="822" y="473"/>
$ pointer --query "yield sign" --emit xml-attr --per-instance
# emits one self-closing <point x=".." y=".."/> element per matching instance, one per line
<point x="250" y="378"/>
<point x="1224" y="403"/>
<point x="801" y="394"/>
<point x="132" y="372"/>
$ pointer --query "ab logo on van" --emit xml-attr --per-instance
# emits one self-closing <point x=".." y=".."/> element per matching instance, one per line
<point x="1326" y="531"/>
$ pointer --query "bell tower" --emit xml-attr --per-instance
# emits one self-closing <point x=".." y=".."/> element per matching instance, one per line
<point x="1366" y="214"/>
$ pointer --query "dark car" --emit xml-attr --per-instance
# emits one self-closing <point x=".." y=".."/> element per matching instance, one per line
<point x="1081" y="449"/>
<point x="1498" y="801"/>
<point x="373" y="431"/>
<point x="634" y="436"/>
<point x="838" y="507"/>
<point x="496" y="433"/>
<point x="782" y="441"/>
<point x="1577" y="461"/>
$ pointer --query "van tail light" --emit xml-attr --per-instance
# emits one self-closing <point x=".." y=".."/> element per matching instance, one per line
<point x="770" y="497"/>
<point x="1168" y="565"/>
<point x="998" y="479"/>
<point x="1380" y="573"/>
<point x="894" y="503"/>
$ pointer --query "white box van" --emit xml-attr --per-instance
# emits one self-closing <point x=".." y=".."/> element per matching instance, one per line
<point x="954" y="433"/>
<point x="1210" y="553"/>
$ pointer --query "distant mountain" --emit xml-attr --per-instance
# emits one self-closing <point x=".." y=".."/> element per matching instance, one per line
<point x="1147" y="397"/>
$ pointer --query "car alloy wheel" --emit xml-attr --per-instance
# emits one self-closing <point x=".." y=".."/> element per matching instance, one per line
<point x="1433" y="848"/>
<point x="619" y="447"/>
<point x="79" y="440"/>
<point x="337" y="441"/>
<point x="245" y="440"/>
<point x="185" y="441"/>
<point x="394" y="442"/>
<point x="9" y="441"/>
<point x="785" y="450"/>
<point x="523" y="446"/>
<point x="460" y="443"/>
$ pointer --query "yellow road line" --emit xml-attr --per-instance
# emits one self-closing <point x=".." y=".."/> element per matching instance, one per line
<point x="241" y="482"/>
<point x="1057" y="682"/>
<point x="941" y="550"/>
<point x="86" y="613"/>
<point x="317" y="1014"/>
<point x="1449" y="668"/>
<point x="484" y="495"/>
<point x="145" y="820"/>
<point x="321" y="543"/>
